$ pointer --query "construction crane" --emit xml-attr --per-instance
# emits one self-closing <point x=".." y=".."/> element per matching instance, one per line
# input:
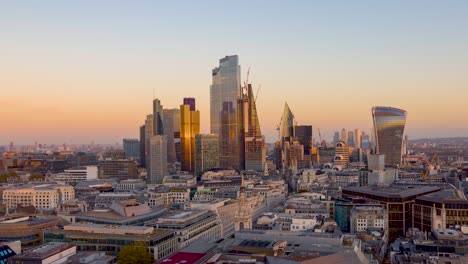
<point x="428" y="165"/>
<point x="278" y="128"/>
<point x="320" y="138"/>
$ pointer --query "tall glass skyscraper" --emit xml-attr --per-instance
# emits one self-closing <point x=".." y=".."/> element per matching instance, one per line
<point x="225" y="88"/>
<point x="189" y="127"/>
<point x="287" y="126"/>
<point x="389" y="127"/>
<point x="224" y="93"/>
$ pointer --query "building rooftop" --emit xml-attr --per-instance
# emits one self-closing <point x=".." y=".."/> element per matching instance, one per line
<point x="184" y="257"/>
<point x="44" y="251"/>
<point x="444" y="196"/>
<point x="391" y="191"/>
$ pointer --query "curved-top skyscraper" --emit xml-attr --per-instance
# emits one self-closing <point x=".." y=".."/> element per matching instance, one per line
<point x="389" y="127"/>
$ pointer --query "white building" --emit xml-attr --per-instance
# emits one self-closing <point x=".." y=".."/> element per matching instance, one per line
<point x="168" y="197"/>
<point x="77" y="174"/>
<point x="365" y="217"/>
<point x="225" y="209"/>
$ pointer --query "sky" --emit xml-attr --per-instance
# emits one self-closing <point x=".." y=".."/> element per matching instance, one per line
<point x="82" y="71"/>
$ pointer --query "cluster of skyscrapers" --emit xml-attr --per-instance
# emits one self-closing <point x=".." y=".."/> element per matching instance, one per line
<point x="173" y="135"/>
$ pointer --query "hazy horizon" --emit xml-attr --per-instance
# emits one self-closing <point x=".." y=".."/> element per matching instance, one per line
<point x="76" y="72"/>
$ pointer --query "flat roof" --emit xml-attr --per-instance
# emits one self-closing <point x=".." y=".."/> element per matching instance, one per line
<point x="184" y="257"/>
<point x="444" y="196"/>
<point x="392" y="191"/>
<point x="45" y="250"/>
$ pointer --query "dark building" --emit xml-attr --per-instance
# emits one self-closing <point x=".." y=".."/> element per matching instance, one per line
<point x="190" y="101"/>
<point x="142" y="147"/>
<point x="304" y="136"/>
<point x="440" y="210"/>
<point x="131" y="148"/>
<point x="121" y="169"/>
<point x="397" y="200"/>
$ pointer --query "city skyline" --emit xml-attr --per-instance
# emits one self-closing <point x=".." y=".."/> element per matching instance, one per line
<point x="64" y="82"/>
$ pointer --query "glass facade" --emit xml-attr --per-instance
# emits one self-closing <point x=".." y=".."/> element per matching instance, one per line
<point x="224" y="93"/>
<point x="389" y="126"/>
<point x="189" y="127"/>
<point x="131" y="148"/>
<point x="206" y="153"/>
<point x="171" y="124"/>
<point x="225" y="88"/>
<point x="287" y="126"/>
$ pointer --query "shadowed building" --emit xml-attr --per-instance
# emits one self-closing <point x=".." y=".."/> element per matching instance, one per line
<point x="389" y="126"/>
<point x="254" y="143"/>
<point x="224" y="93"/>
<point x="206" y="153"/>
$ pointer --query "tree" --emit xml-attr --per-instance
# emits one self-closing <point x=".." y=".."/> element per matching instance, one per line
<point x="36" y="177"/>
<point x="135" y="253"/>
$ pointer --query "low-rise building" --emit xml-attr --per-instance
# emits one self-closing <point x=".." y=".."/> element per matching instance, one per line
<point x="121" y="168"/>
<point x="127" y="212"/>
<point x="77" y="174"/>
<point x="130" y="185"/>
<point x="180" y="181"/>
<point x="105" y="200"/>
<point x="368" y="217"/>
<point x="52" y="252"/>
<point x="440" y="210"/>
<point x="225" y="209"/>
<point x="168" y="196"/>
<point x="111" y="239"/>
<point x="190" y="226"/>
<point x="44" y="196"/>
<point x="27" y="229"/>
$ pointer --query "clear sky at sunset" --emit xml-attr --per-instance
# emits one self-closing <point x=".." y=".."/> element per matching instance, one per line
<point x="77" y="71"/>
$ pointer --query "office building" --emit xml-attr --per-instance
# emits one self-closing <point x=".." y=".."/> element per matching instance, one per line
<point x="231" y="141"/>
<point x="254" y="152"/>
<point x="336" y="137"/>
<point x="343" y="135"/>
<point x="142" y="147"/>
<point x="225" y="85"/>
<point x="131" y="148"/>
<point x="190" y="226"/>
<point x="225" y="209"/>
<point x="25" y="228"/>
<point x="77" y="174"/>
<point x="49" y="253"/>
<point x="341" y="158"/>
<point x="389" y="126"/>
<point x="287" y="125"/>
<point x="357" y="138"/>
<point x="148" y="134"/>
<point x="440" y="210"/>
<point x="158" y="127"/>
<point x="206" y="153"/>
<point x="304" y="136"/>
<point x="368" y="217"/>
<point x="397" y="201"/>
<point x="350" y="139"/>
<point x="171" y="123"/>
<point x="42" y="197"/>
<point x="189" y="127"/>
<point x="111" y="239"/>
<point x="158" y="159"/>
<point x="365" y="141"/>
<point x="121" y="169"/>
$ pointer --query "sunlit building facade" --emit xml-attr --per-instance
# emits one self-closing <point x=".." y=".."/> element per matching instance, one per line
<point x="189" y="127"/>
<point x="287" y="126"/>
<point x="389" y="127"/>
